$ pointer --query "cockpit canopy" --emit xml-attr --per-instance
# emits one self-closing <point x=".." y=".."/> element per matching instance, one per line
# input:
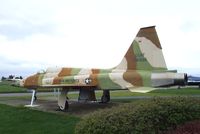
<point x="42" y="71"/>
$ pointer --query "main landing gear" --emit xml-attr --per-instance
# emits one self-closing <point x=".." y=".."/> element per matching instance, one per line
<point x="85" y="95"/>
<point x="63" y="100"/>
<point x="105" y="98"/>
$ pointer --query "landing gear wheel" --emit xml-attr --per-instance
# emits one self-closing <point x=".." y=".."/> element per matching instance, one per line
<point x="64" y="108"/>
<point x="105" y="97"/>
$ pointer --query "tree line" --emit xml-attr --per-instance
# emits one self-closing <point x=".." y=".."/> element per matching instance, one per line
<point x="10" y="77"/>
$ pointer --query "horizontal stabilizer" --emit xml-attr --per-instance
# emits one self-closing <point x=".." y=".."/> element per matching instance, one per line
<point x="141" y="89"/>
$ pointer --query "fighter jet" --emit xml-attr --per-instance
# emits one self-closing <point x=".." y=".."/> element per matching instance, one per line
<point x="142" y="69"/>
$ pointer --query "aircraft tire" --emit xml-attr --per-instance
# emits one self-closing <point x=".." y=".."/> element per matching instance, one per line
<point x="104" y="99"/>
<point x="64" y="108"/>
<point x="66" y="105"/>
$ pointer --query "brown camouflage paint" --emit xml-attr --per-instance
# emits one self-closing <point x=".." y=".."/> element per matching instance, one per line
<point x="57" y="80"/>
<point x="94" y="80"/>
<point x="133" y="77"/>
<point x="65" y="72"/>
<point x="94" y="77"/>
<point x="130" y="75"/>
<point x="149" y="33"/>
<point x="32" y="81"/>
<point x="95" y="71"/>
<point x="131" y="59"/>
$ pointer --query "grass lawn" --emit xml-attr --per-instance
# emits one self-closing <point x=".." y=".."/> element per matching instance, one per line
<point x="26" y="121"/>
<point x="5" y="87"/>
<point x="11" y="89"/>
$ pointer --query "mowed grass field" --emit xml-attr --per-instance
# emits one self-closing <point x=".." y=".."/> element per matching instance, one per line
<point x="26" y="121"/>
<point x="6" y="87"/>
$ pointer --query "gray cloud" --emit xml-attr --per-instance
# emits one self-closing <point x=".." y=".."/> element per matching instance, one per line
<point x="18" y="67"/>
<point x="16" y="28"/>
<point x="19" y="19"/>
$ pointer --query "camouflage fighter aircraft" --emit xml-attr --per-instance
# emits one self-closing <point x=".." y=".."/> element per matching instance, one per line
<point x="142" y="69"/>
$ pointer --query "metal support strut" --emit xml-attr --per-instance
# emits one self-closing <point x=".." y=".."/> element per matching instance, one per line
<point x="32" y="99"/>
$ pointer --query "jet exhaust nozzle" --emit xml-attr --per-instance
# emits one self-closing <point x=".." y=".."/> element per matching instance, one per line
<point x="168" y="79"/>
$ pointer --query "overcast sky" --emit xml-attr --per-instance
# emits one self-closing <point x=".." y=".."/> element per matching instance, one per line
<point x="36" y="34"/>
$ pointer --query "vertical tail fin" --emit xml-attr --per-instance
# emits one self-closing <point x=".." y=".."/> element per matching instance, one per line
<point x="145" y="52"/>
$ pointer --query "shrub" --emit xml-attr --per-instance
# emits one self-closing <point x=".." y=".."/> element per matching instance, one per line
<point x="148" y="116"/>
<point x="192" y="127"/>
